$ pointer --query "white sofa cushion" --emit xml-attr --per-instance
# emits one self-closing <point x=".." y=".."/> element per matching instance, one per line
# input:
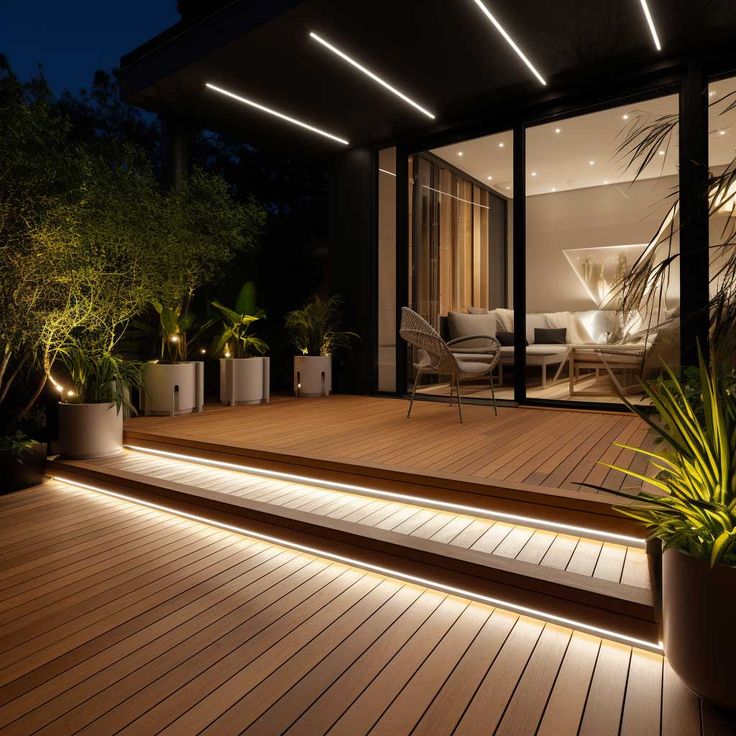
<point x="597" y="323"/>
<point x="534" y="321"/>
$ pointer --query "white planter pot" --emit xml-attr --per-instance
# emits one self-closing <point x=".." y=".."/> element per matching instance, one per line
<point x="90" y="430"/>
<point x="244" y="380"/>
<point x="312" y="375"/>
<point x="173" y="388"/>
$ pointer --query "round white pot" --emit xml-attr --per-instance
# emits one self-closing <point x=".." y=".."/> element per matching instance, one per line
<point x="173" y="388"/>
<point x="90" y="430"/>
<point x="244" y="380"/>
<point x="312" y="375"/>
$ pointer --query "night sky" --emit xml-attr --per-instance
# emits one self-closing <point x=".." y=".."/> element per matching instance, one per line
<point x="73" y="38"/>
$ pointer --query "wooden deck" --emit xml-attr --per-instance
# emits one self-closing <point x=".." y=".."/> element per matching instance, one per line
<point x="553" y="448"/>
<point x="525" y="461"/>
<point x="117" y="618"/>
<point x="599" y="559"/>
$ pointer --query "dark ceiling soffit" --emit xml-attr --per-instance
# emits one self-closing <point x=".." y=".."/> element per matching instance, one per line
<point x="564" y="100"/>
<point x="185" y="43"/>
<point x="579" y="95"/>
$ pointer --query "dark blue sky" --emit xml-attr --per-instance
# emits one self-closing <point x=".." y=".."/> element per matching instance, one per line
<point x="72" y="38"/>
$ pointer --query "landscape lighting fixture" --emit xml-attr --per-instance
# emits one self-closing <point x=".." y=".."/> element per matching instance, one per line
<point x="650" y="22"/>
<point x="277" y="114"/>
<point x="370" y="74"/>
<point x="510" y="40"/>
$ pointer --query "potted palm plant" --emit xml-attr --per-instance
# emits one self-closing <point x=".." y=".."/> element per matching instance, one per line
<point x="244" y="370"/>
<point x="315" y="331"/>
<point x="92" y="407"/>
<point x="174" y="384"/>
<point x="691" y="508"/>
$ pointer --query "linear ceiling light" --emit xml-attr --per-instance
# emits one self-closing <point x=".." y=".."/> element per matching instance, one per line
<point x="277" y="114"/>
<point x="509" y="40"/>
<point x="388" y="571"/>
<point x="370" y="74"/>
<point x="650" y="21"/>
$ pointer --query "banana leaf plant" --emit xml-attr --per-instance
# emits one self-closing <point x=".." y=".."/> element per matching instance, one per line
<point x="236" y="340"/>
<point x="691" y="504"/>
<point x="176" y="331"/>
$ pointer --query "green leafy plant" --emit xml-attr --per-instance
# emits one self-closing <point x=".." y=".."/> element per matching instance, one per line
<point x="692" y="506"/>
<point x="315" y="329"/>
<point x="236" y="339"/>
<point x="99" y="377"/>
<point x="16" y="445"/>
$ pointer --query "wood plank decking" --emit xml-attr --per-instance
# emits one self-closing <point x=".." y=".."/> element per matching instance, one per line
<point x="557" y="449"/>
<point x="600" y="559"/>
<point x="116" y="618"/>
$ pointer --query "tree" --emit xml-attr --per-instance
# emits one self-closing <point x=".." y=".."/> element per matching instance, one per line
<point x="88" y="239"/>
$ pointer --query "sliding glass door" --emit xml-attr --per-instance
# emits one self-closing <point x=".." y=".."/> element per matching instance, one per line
<point x="458" y="251"/>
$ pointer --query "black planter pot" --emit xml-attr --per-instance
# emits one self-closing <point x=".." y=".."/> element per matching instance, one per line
<point x="699" y="605"/>
<point x="15" y="476"/>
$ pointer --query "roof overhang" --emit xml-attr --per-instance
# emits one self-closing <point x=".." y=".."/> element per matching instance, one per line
<point x="445" y="55"/>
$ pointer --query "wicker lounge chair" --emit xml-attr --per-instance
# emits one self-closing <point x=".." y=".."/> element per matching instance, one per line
<point x="437" y="357"/>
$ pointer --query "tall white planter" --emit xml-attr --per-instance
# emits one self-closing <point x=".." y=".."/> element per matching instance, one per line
<point x="173" y="388"/>
<point x="245" y="380"/>
<point x="312" y="375"/>
<point x="90" y="430"/>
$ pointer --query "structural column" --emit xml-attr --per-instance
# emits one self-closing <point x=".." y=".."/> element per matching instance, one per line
<point x="519" y="261"/>
<point x="694" y="237"/>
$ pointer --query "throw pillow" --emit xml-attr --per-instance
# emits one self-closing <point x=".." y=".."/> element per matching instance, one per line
<point x="506" y="339"/>
<point x="550" y="336"/>
<point x="464" y="325"/>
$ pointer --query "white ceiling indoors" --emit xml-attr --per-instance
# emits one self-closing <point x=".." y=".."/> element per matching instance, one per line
<point x="582" y="151"/>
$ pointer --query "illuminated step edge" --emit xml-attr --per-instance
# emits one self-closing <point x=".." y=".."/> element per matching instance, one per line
<point x="456" y="571"/>
<point x="531" y="521"/>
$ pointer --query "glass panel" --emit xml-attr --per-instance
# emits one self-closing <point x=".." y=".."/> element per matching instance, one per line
<point x="459" y="243"/>
<point x="722" y="166"/>
<point x="602" y="274"/>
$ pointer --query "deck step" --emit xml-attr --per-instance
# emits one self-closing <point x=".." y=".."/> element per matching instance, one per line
<point x="595" y="583"/>
<point x="575" y="507"/>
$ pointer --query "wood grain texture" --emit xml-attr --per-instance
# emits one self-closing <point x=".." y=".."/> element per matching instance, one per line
<point x="228" y="634"/>
<point x="546" y="447"/>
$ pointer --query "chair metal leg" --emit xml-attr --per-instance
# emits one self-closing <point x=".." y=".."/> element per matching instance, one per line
<point x="413" y="392"/>
<point x="493" y="396"/>
<point x="452" y="388"/>
<point x="456" y="378"/>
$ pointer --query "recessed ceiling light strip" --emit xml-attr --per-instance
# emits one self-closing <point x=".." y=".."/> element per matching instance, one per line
<point x="370" y="74"/>
<point x="276" y="113"/>
<point x="510" y="41"/>
<point x="426" y="582"/>
<point x="650" y="21"/>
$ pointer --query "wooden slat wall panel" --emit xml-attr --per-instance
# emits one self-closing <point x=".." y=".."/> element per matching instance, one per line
<point x="250" y="637"/>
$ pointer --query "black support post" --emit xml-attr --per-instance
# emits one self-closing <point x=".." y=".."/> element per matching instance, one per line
<point x="519" y="261"/>
<point x="402" y="261"/>
<point x="694" y="242"/>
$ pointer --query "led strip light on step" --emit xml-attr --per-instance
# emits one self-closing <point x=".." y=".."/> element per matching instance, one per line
<point x="416" y="500"/>
<point x="426" y="582"/>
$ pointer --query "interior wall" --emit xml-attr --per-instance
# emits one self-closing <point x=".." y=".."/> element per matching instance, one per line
<point x="617" y="214"/>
